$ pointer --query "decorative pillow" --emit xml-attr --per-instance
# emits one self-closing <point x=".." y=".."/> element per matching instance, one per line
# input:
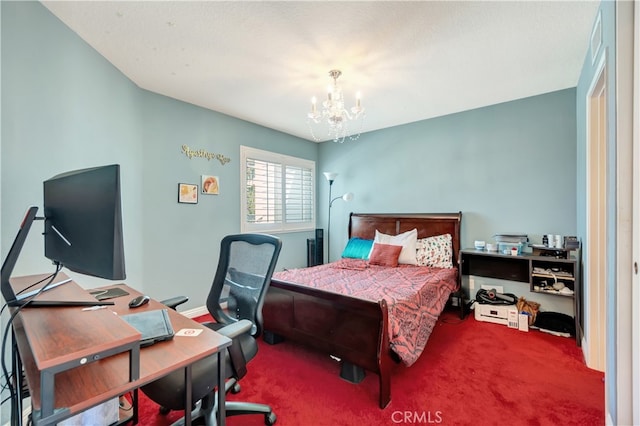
<point x="436" y="252"/>
<point x="408" y="242"/>
<point x="357" y="248"/>
<point x="385" y="254"/>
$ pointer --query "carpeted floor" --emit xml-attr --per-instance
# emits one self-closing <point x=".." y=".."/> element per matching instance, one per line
<point x="471" y="373"/>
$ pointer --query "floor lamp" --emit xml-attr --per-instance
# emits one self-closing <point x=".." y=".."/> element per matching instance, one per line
<point x="346" y="197"/>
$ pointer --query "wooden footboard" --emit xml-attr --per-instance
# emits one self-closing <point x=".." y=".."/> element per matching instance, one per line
<point x="351" y="329"/>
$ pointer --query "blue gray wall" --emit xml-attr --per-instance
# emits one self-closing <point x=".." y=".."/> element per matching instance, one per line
<point x="510" y="168"/>
<point x="65" y="107"/>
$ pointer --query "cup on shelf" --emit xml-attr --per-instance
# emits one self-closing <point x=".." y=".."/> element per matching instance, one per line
<point x="492" y="247"/>
<point x="558" y="241"/>
<point x="551" y="240"/>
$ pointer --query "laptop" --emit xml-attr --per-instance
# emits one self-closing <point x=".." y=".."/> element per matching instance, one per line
<point x="154" y="326"/>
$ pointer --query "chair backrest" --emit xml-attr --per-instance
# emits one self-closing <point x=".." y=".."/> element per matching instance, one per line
<point x="242" y="278"/>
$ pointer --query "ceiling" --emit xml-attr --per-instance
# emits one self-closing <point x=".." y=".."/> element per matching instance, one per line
<point x="263" y="61"/>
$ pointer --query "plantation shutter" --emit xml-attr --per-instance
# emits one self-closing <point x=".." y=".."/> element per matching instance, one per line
<point x="278" y="192"/>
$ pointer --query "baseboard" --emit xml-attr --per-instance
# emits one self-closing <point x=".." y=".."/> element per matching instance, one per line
<point x="195" y="312"/>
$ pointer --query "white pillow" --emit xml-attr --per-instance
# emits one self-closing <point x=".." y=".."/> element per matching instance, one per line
<point x="436" y="251"/>
<point x="408" y="242"/>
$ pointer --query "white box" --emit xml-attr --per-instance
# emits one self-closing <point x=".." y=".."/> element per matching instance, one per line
<point x="104" y="414"/>
<point x="523" y="322"/>
<point x="497" y="314"/>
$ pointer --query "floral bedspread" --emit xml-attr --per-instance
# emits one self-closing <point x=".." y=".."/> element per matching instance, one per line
<point x="415" y="295"/>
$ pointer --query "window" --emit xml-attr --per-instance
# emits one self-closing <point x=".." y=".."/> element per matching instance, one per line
<point x="278" y="192"/>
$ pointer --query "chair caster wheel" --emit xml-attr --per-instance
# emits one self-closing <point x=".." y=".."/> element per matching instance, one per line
<point x="270" y="419"/>
<point x="164" y="411"/>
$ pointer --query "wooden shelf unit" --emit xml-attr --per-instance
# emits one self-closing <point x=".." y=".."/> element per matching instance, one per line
<point x="563" y="265"/>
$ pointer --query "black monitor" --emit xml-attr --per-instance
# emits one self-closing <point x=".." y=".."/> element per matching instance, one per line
<point x="83" y="222"/>
<point x="83" y="231"/>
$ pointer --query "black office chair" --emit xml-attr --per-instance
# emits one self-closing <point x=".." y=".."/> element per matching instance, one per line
<point x="244" y="272"/>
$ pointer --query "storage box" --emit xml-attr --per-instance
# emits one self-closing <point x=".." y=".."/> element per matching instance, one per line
<point x="511" y="238"/>
<point x="505" y="248"/>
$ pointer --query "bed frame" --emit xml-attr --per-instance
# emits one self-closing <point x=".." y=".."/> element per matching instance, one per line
<point x="354" y="330"/>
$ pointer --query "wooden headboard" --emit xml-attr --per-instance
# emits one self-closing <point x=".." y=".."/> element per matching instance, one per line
<point x="364" y="225"/>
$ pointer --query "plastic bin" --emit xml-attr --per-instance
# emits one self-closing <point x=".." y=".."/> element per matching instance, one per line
<point x="505" y="248"/>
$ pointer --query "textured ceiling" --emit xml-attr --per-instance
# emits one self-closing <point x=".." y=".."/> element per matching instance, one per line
<point x="263" y="61"/>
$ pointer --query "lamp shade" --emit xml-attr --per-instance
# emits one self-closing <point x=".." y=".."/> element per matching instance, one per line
<point x="348" y="196"/>
<point x="330" y="176"/>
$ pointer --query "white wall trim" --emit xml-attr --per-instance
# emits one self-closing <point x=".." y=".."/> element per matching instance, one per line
<point x="620" y="344"/>
<point x="635" y="282"/>
<point x="195" y="312"/>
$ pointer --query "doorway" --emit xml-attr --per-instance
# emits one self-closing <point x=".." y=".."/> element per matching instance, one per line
<point x="596" y="236"/>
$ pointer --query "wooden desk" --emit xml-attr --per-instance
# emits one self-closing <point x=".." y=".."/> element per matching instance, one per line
<point x="48" y="338"/>
<point x="522" y="268"/>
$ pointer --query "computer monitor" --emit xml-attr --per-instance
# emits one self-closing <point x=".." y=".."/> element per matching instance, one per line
<point x="83" y="231"/>
<point x="83" y="222"/>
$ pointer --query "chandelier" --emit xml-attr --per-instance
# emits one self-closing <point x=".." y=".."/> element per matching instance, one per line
<point x="334" y="113"/>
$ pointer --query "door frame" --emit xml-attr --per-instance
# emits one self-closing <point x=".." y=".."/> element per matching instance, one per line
<point x="622" y="332"/>
<point x="635" y="281"/>
<point x="594" y="296"/>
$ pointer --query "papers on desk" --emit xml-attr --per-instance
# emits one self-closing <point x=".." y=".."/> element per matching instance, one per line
<point x="189" y="332"/>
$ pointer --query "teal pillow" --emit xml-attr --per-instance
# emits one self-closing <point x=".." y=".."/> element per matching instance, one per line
<point x="357" y="248"/>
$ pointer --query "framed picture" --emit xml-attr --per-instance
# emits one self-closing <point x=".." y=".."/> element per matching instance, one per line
<point x="210" y="185"/>
<point x="187" y="193"/>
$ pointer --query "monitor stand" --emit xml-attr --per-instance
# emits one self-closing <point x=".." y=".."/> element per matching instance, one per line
<point x="25" y="301"/>
<point x="58" y="303"/>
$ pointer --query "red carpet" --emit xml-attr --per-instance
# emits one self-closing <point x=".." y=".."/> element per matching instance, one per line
<point x="471" y="373"/>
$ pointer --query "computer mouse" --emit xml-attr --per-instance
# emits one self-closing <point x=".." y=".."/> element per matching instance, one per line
<point x="136" y="302"/>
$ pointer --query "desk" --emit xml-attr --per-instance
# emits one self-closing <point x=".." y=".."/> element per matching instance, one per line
<point x="48" y="338"/>
<point x="529" y="269"/>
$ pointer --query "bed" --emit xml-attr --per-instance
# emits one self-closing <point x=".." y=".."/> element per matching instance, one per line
<point x="345" y="322"/>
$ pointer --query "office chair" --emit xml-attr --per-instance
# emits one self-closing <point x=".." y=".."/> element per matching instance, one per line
<point x="235" y="302"/>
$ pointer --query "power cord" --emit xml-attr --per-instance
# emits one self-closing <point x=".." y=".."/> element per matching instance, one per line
<point x="10" y="379"/>
<point x="30" y="286"/>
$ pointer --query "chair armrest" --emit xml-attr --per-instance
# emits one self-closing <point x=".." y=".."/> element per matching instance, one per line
<point x="174" y="302"/>
<point x="236" y="329"/>
<point x="236" y="356"/>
